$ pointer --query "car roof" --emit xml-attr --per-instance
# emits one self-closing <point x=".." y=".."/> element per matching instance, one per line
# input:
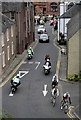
<point x="40" y="26"/>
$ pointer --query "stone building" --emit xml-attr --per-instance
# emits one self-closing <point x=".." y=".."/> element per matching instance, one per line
<point x="46" y="8"/>
<point x="20" y="13"/>
<point x="7" y="42"/>
<point x="74" y="42"/>
<point x="73" y="38"/>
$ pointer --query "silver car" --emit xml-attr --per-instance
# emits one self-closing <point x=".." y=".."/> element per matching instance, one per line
<point x="44" y="38"/>
<point x="41" y="30"/>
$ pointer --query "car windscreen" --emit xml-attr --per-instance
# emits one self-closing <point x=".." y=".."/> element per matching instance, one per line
<point x="44" y="35"/>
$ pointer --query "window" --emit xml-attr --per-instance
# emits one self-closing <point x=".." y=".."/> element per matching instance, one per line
<point x="3" y="57"/>
<point x="12" y="49"/>
<point x="54" y="7"/>
<point x="7" y="35"/>
<point x="8" y="52"/>
<point x="2" y="39"/>
<point x="12" y="15"/>
<point x="11" y="31"/>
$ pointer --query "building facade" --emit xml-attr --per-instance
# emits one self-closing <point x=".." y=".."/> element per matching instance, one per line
<point x="74" y="42"/>
<point x="8" y="43"/>
<point x="20" y="13"/>
<point x="63" y="19"/>
<point x="46" y="8"/>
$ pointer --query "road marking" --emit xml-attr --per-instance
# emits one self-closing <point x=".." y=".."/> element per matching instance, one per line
<point x="45" y="91"/>
<point x="30" y="62"/>
<point x="2" y="84"/>
<point x="24" y="62"/>
<point x="23" y="73"/>
<point x="38" y="63"/>
<point x="68" y="115"/>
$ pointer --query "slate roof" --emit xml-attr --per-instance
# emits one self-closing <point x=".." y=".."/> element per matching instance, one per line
<point x="5" y="22"/>
<point x="71" y="12"/>
<point x="74" y="24"/>
<point x="11" y="6"/>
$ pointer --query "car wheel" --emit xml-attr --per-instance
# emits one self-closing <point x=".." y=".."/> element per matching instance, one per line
<point x="48" y="41"/>
<point x="39" y="41"/>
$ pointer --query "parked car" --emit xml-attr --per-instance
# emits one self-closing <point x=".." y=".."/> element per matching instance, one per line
<point x="44" y="38"/>
<point x="41" y="30"/>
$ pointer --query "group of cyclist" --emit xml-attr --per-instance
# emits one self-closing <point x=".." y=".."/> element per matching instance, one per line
<point x="54" y="85"/>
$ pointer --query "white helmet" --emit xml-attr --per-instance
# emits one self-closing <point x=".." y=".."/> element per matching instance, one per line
<point x="48" y="60"/>
<point x="30" y="48"/>
<point x="17" y="75"/>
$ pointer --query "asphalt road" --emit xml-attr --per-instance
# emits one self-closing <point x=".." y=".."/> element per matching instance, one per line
<point x="29" y="101"/>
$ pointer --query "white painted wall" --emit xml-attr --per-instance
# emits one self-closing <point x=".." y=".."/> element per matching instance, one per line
<point x="62" y="26"/>
<point x="0" y="56"/>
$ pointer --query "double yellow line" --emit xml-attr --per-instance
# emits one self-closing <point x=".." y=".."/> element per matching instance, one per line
<point x="2" y="84"/>
<point x="69" y="113"/>
<point x="57" y="72"/>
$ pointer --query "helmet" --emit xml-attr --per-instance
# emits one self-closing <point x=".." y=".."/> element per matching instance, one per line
<point x="30" y="48"/>
<point x="48" y="60"/>
<point x="17" y="75"/>
<point x="67" y="93"/>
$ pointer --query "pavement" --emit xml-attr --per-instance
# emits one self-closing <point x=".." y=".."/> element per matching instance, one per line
<point x="16" y="61"/>
<point x="62" y="75"/>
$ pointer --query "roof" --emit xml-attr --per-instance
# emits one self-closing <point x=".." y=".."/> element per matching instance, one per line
<point x="5" y="22"/>
<point x="71" y="12"/>
<point x="74" y="24"/>
<point x="11" y="6"/>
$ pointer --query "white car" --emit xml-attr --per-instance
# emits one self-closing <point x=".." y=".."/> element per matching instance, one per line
<point x="44" y="38"/>
<point x="41" y="26"/>
<point x="41" y="30"/>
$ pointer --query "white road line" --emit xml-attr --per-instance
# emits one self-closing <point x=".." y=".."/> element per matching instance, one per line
<point x="23" y="73"/>
<point x="30" y="62"/>
<point x="24" y="62"/>
<point x="38" y="63"/>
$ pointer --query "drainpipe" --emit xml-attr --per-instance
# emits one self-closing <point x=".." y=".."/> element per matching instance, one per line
<point x="19" y="31"/>
<point x="58" y="29"/>
<point x="26" y="21"/>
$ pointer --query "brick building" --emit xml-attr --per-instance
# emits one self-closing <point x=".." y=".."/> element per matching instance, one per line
<point x="48" y="8"/>
<point x="8" y="42"/>
<point x="30" y="27"/>
<point x="20" y="13"/>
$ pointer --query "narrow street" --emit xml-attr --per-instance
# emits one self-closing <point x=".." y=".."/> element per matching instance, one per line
<point x="28" y="101"/>
<point x="59" y="27"/>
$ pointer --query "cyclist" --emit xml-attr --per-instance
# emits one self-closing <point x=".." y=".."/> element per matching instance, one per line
<point x="66" y="98"/>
